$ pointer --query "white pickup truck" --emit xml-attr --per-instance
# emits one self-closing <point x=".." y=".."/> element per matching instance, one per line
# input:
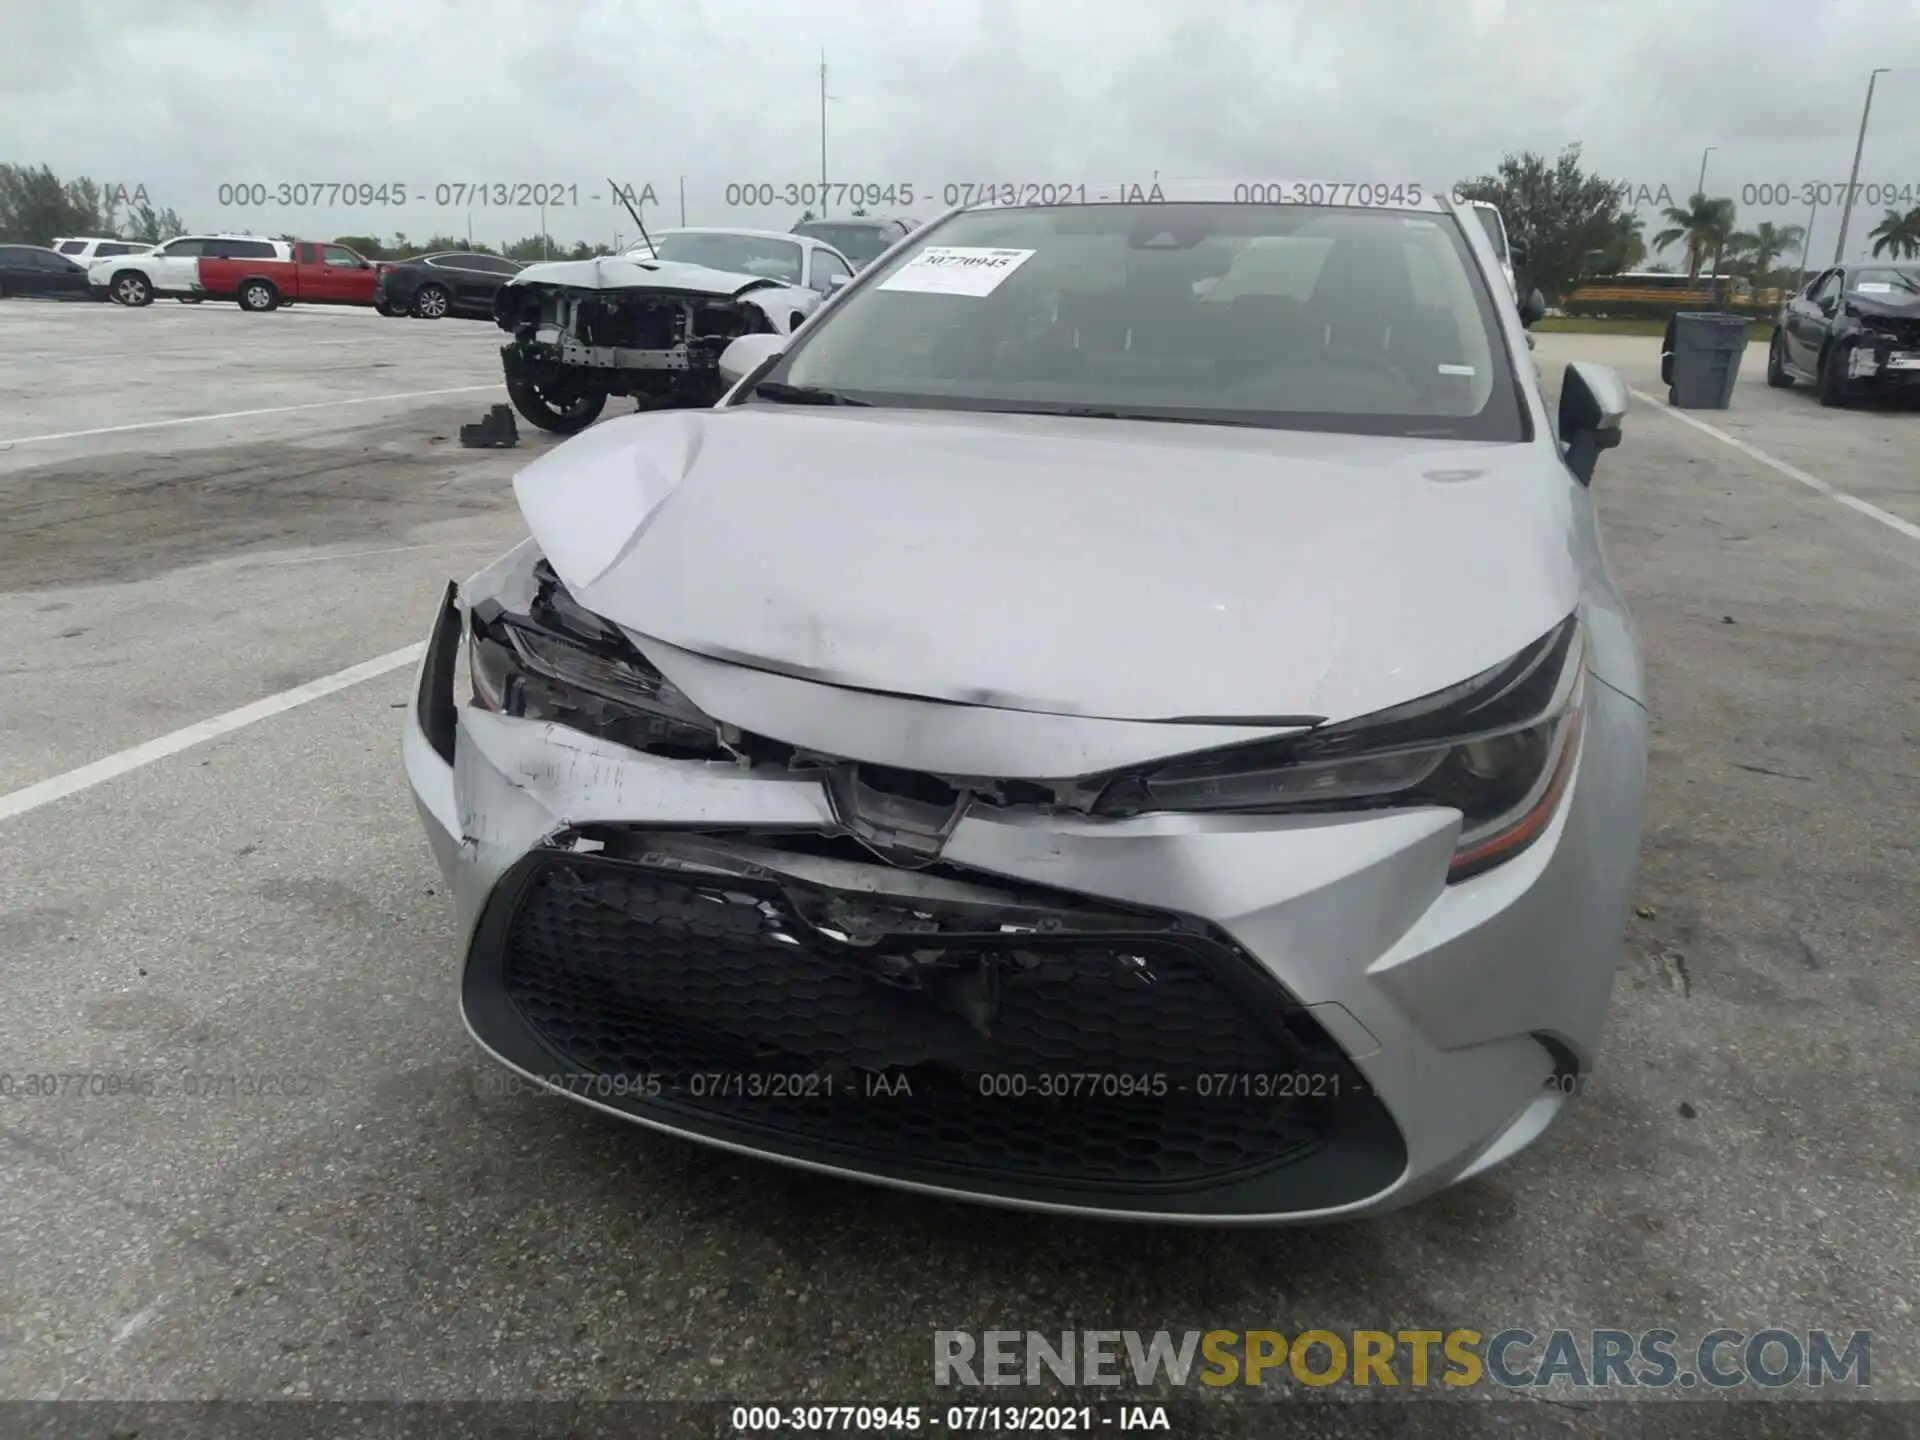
<point x="174" y="268"/>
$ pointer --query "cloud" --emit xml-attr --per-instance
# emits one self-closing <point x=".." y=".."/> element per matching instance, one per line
<point x="186" y="96"/>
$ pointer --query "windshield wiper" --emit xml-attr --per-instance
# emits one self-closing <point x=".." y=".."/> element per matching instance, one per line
<point x="785" y="394"/>
<point x="1108" y="412"/>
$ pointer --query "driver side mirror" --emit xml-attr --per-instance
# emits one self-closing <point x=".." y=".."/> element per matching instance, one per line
<point x="747" y="354"/>
<point x="1532" y="308"/>
<point x="1593" y="402"/>
<point x="837" y="283"/>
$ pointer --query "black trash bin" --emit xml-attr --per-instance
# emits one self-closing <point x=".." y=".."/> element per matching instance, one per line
<point x="1700" y="358"/>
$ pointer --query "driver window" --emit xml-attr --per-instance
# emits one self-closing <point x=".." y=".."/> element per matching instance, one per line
<point x="1829" y="288"/>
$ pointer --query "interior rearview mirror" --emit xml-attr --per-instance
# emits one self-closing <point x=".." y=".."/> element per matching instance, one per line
<point x="747" y="354"/>
<point x="1532" y="308"/>
<point x="1593" y="402"/>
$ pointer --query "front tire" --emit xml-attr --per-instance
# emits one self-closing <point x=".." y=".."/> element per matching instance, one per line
<point x="430" y="302"/>
<point x="562" y="416"/>
<point x="1777" y="375"/>
<point x="259" y="297"/>
<point x="1833" y="377"/>
<point x="381" y="307"/>
<point x="132" y="289"/>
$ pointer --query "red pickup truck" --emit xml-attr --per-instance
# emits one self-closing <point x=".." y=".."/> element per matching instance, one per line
<point x="301" y="270"/>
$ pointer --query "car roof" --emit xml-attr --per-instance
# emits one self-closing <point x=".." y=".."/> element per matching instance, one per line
<point x="748" y="231"/>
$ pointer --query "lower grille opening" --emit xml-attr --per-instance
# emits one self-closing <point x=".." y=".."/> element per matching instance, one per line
<point x="984" y="1040"/>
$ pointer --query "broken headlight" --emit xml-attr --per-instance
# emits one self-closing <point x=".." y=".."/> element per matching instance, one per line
<point x="1498" y="748"/>
<point x="562" y="663"/>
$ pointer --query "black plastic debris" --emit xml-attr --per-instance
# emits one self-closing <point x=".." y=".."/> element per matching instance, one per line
<point x="496" y="432"/>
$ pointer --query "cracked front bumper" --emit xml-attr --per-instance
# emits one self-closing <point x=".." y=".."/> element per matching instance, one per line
<point x="1461" y="1018"/>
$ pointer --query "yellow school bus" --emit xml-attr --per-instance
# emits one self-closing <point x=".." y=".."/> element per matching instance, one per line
<point x="1655" y="292"/>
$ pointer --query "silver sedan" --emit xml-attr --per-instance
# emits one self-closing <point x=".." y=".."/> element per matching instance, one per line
<point x="1125" y="713"/>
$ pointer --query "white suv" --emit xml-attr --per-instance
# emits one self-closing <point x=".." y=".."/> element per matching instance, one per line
<point x="174" y="267"/>
<point x="83" y="250"/>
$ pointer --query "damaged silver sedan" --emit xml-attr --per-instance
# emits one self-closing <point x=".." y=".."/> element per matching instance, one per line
<point x="1125" y="713"/>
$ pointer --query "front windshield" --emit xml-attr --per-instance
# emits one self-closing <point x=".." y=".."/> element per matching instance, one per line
<point x="1364" y="321"/>
<point x="765" y="256"/>
<point x="1884" y="280"/>
<point x="862" y="244"/>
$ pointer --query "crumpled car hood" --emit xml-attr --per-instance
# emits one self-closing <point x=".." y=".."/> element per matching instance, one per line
<point x="1893" y="304"/>
<point x="1114" y="569"/>
<point x="620" y="272"/>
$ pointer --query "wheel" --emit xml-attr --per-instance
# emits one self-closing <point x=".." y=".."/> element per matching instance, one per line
<point x="561" y="414"/>
<point x="381" y="307"/>
<point x="1833" y="377"/>
<point x="132" y="288"/>
<point x="1673" y="396"/>
<point x="430" y="302"/>
<point x="1777" y="375"/>
<point x="258" y="296"/>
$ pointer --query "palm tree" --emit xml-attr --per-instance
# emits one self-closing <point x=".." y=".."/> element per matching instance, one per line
<point x="1704" y="227"/>
<point x="1898" y="234"/>
<point x="1758" y="248"/>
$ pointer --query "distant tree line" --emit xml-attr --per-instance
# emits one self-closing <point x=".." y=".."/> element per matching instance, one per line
<point x="36" y="206"/>
<point x="1576" y="225"/>
<point x="1573" y="224"/>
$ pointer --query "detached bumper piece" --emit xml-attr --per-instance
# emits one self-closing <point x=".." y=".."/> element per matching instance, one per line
<point x="495" y="431"/>
<point x="1049" y="1050"/>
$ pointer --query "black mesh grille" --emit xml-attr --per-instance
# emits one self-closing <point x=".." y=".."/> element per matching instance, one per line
<point x="716" y="998"/>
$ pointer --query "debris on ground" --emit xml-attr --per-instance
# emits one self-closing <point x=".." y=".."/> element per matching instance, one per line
<point x="494" y="432"/>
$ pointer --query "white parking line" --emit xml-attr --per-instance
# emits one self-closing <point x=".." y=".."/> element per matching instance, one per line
<point x="87" y="776"/>
<point x="243" y="414"/>
<point x="1792" y="472"/>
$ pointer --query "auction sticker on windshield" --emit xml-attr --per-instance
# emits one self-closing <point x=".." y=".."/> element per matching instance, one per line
<point x="956" y="270"/>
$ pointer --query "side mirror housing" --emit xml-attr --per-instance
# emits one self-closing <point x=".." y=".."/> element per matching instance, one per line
<point x="747" y="354"/>
<point x="1532" y="308"/>
<point x="837" y="283"/>
<point x="1593" y="402"/>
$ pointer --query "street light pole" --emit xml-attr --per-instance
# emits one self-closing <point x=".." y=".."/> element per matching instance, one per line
<point x="683" y="202"/>
<point x="1846" y="213"/>
<point x="1701" y="188"/>
<point x="823" y="134"/>
<point x="1806" y="244"/>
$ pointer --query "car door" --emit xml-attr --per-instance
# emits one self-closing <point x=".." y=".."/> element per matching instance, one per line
<point x="1794" y="324"/>
<point x="175" y="267"/>
<point x="1816" y="314"/>
<point x="63" y="277"/>
<point x="348" y="280"/>
<point x="17" y="276"/>
<point x="827" y="266"/>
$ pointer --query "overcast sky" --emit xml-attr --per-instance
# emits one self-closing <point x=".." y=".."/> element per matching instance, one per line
<point x="182" y="96"/>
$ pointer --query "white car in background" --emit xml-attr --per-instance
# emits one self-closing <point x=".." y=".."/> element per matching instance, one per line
<point x="174" y="267"/>
<point x="83" y="250"/>
<point x="650" y="323"/>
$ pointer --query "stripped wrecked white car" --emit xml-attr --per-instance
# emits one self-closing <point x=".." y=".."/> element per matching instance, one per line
<point x="651" y="323"/>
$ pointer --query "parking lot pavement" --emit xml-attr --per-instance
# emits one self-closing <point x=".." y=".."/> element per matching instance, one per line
<point x="394" y="1225"/>
<point x="1872" y="453"/>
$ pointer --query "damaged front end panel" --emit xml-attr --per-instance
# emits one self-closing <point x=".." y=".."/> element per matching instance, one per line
<point x="772" y="991"/>
<point x="652" y="331"/>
